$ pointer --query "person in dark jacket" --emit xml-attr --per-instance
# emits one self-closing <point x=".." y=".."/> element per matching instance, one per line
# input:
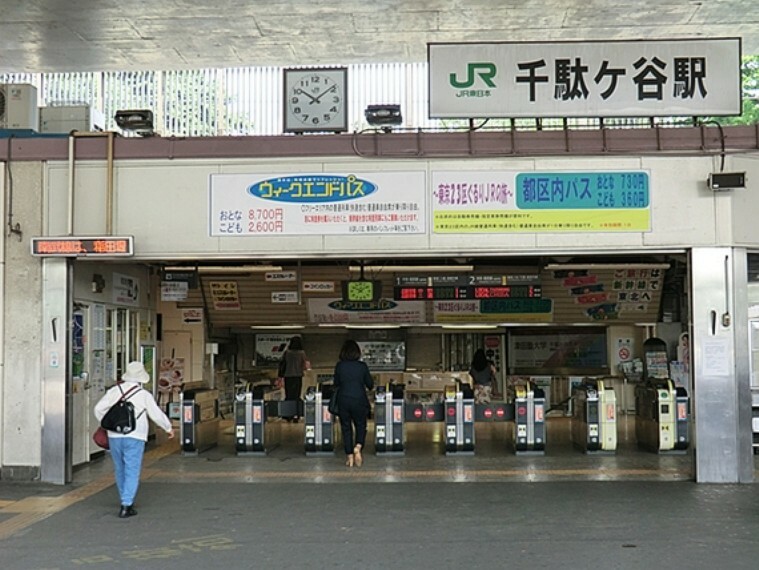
<point x="352" y="379"/>
<point x="482" y="373"/>
<point x="295" y="363"/>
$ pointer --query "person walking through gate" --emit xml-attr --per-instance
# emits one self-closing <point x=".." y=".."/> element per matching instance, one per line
<point x="295" y="363"/>
<point x="352" y="379"/>
<point x="482" y="372"/>
<point x="128" y="449"/>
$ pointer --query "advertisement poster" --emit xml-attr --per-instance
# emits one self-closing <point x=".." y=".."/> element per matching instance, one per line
<point x="270" y="347"/>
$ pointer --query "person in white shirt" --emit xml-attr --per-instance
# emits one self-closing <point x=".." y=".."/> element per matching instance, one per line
<point x="127" y="449"/>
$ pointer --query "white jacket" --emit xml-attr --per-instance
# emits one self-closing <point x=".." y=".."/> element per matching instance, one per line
<point x="144" y="408"/>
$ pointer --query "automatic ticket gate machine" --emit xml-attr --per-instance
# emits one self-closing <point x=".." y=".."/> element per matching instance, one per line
<point x="252" y="412"/>
<point x="199" y="423"/>
<point x="661" y="416"/>
<point x="529" y="419"/>
<point x="594" y="418"/>
<point x="319" y="423"/>
<point x="459" y="419"/>
<point x="389" y="420"/>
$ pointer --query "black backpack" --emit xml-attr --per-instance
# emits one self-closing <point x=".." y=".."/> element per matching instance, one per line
<point x="120" y="418"/>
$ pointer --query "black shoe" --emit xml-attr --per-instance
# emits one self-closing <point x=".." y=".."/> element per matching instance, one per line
<point x="127" y="511"/>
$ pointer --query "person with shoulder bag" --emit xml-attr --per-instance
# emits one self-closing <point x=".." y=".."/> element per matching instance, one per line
<point x="482" y="373"/>
<point x="128" y="446"/>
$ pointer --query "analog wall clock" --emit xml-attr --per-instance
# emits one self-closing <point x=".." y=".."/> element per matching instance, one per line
<point x="316" y="100"/>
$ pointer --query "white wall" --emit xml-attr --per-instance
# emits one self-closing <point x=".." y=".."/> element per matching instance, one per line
<point x="164" y="205"/>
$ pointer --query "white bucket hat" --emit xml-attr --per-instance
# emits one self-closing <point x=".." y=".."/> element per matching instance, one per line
<point x="135" y="372"/>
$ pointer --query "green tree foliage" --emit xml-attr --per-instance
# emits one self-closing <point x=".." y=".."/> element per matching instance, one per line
<point x="750" y="80"/>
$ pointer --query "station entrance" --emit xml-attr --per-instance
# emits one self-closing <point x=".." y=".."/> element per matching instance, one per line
<point x="590" y="357"/>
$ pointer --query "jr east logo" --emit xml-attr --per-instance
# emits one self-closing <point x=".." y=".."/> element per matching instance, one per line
<point x="477" y="80"/>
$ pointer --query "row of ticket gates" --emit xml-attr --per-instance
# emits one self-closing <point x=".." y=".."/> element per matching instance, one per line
<point x="661" y="422"/>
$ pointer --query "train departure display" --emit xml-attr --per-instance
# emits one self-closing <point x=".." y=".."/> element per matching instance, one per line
<point x="71" y="246"/>
<point x="453" y="292"/>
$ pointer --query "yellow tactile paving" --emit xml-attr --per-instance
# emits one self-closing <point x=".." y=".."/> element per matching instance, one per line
<point x="31" y="510"/>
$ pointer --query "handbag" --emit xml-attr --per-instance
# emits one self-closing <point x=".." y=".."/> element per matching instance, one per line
<point x="281" y="367"/>
<point x="332" y="406"/>
<point x="100" y="437"/>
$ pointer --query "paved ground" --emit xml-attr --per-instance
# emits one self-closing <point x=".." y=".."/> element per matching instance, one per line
<point x="564" y="510"/>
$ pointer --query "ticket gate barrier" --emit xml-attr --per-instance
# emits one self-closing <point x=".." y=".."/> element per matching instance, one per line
<point x="661" y="416"/>
<point x="319" y="423"/>
<point x="389" y="424"/>
<point x="250" y="425"/>
<point x="199" y="421"/>
<point x="459" y="420"/>
<point x="529" y="419"/>
<point x="594" y="418"/>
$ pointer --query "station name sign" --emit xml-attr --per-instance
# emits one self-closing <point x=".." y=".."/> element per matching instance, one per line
<point x="90" y="246"/>
<point x="694" y="77"/>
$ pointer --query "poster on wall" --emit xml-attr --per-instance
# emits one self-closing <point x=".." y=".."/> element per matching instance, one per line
<point x="337" y="311"/>
<point x="171" y="376"/>
<point x="224" y="295"/>
<point x="558" y="351"/>
<point x="340" y="203"/>
<point x="270" y="348"/>
<point x="126" y="290"/>
<point x="383" y="355"/>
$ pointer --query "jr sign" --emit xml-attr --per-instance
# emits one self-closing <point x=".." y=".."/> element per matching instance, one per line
<point x="594" y="79"/>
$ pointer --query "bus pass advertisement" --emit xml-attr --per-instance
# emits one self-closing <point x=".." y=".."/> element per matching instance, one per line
<point x="540" y="202"/>
<point x="351" y="203"/>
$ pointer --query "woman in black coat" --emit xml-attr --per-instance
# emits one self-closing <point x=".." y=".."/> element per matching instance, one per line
<point x="352" y="379"/>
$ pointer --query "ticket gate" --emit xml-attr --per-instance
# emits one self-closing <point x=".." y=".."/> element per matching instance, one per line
<point x="594" y="418"/>
<point x="389" y="424"/>
<point x="319" y="423"/>
<point x="199" y="420"/>
<point x="250" y="425"/>
<point x="661" y="416"/>
<point x="529" y="419"/>
<point x="459" y="420"/>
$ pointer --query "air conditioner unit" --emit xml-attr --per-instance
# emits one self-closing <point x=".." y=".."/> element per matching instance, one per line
<point x="18" y="106"/>
<point x="67" y="118"/>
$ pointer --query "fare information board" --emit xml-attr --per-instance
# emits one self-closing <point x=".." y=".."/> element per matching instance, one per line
<point x="72" y="246"/>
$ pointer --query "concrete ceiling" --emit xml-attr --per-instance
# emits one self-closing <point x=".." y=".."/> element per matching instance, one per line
<point x="106" y="35"/>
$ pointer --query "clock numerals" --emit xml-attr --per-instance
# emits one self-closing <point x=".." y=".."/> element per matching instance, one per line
<point x="315" y="100"/>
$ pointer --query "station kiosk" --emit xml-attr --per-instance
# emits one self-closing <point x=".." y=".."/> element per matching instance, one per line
<point x="594" y="418"/>
<point x="319" y="423"/>
<point x="389" y="420"/>
<point x="529" y="418"/>
<point x="661" y="416"/>
<point x="199" y="420"/>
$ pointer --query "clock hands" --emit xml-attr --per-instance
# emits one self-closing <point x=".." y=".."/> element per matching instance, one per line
<point x="323" y="93"/>
<point x="307" y="94"/>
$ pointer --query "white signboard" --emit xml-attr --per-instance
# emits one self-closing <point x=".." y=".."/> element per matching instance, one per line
<point x="126" y="290"/>
<point x="277" y="276"/>
<point x="192" y="316"/>
<point x="353" y="203"/>
<point x="284" y="296"/>
<point x="695" y="77"/>
<point x="318" y="286"/>
<point x="174" y="290"/>
<point x="384" y="311"/>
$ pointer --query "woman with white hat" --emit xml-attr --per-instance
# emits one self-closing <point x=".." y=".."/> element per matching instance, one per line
<point x="127" y="449"/>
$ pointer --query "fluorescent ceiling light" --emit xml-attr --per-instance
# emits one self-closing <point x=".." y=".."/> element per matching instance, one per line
<point x="276" y="327"/>
<point x="377" y="326"/>
<point x="238" y="269"/>
<point x="412" y="268"/>
<point x="471" y="326"/>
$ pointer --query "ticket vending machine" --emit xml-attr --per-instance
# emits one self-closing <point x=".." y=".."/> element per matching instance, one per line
<point x="661" y="416"/>
<point x="594" y="418"/>
<point x="529" y="419"/>
<point x="250" y="425"/>
<point x="459" y="420"/>
<point x="319" y="423"/>
<point x="389" y="424"/>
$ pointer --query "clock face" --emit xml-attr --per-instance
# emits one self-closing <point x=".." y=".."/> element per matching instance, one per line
<point x="360" y="291"/>
<point x="315" y="100"/>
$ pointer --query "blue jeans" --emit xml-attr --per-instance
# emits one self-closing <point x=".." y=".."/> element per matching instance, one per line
<point x="127" y="453"/>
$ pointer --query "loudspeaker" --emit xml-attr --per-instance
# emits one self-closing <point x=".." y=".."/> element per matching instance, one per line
<point x="726" y="180"/>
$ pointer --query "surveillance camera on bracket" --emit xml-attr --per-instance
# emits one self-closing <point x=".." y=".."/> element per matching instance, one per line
<point x="721" y="181"/>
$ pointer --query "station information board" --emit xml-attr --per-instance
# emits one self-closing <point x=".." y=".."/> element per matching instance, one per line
<point x="73" y="246"/>
<point x="448" y="287"/>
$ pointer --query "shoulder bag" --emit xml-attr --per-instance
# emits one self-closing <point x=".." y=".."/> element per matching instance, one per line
<point x="332" y="406"/>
